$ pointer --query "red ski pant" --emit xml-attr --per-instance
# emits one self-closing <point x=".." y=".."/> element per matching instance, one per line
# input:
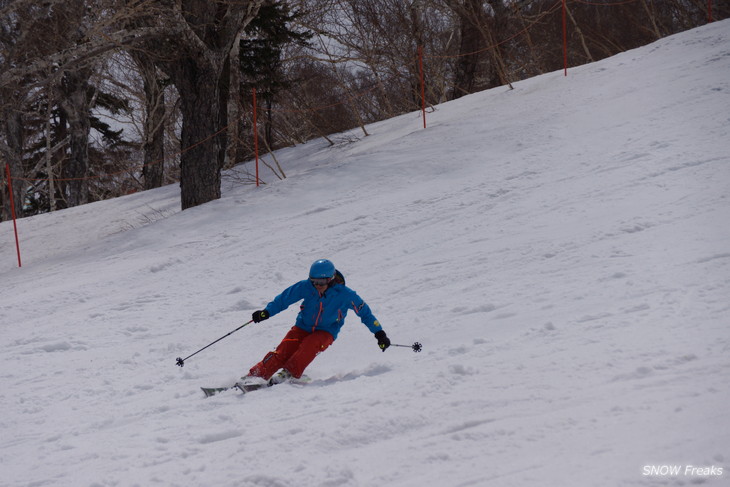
<point x="295" y="352"/>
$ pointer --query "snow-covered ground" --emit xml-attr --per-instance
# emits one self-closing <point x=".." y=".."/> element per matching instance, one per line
<point x="561" y="250"/>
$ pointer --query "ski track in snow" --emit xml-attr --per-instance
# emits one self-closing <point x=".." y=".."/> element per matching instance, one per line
<point x="561" y="250"/>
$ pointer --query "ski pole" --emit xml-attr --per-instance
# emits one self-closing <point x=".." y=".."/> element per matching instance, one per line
<point x="181" y="361"/>
<point x="416" y="346"/>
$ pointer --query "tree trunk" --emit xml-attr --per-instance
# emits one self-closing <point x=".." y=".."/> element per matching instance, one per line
<point x="200" y="39"/>
<point x="12" y="124"/>
<point x="200" y="168"/>
<point x="154" y="133"/>
<point x="153" y="137"/>
<point x="234" y="106"/>
<point x="75" y="105"/>
<point x="472" y="19"/>
<point x="466" y="66"/>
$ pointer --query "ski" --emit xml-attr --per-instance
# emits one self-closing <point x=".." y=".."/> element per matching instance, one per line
<point x="212" y="391"/>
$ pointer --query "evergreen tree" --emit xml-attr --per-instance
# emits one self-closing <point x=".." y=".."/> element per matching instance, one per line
<point x="261" y="62"/>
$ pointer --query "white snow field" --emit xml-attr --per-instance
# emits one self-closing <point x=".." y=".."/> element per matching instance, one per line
<point x="561" y="250"/>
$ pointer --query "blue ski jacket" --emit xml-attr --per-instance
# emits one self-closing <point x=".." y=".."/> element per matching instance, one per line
<point x="326" y="312"/>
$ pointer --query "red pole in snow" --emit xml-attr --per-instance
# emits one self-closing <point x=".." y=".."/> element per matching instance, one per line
<point x="255" y="137"/>
<point x="565" y="39"/>
<point x="709" y="10"/>
<point x="423" y="85"/>
<point x="12" y="211"/>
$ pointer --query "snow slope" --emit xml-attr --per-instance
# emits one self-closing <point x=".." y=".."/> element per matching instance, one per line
<point x="562" y="251"/>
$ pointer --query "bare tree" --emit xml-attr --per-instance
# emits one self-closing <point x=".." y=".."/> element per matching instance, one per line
<point x="153" y="134"/>
<point x="75" y="103"/>
<point x="190" y="40"/>
<point x="28" y="33"/>
<point x="195" y="54"/>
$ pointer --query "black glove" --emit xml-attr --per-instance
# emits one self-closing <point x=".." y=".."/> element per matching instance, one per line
<point x="260" y="315"/>
<point x="383" y="340"/>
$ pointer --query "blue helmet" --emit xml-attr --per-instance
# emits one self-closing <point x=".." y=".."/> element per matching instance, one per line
<point x="322" y="269"/>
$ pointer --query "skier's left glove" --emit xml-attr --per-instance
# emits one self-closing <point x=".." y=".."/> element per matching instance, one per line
<point x="383" y="340"/>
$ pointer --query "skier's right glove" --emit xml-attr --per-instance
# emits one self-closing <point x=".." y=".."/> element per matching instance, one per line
<point x="383" y="340"/>
<point x="260" y="315"/>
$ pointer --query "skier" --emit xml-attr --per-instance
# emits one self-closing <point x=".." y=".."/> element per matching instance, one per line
<point x="326" y="301"/>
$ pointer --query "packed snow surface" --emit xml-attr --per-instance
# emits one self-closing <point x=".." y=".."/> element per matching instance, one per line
<point x="561" y="250"/>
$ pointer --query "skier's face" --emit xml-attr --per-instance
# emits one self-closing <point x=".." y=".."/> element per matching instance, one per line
<point x="320" y="284"/>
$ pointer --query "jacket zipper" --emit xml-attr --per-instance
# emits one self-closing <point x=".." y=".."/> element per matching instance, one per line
<point x="319" y="314"/>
